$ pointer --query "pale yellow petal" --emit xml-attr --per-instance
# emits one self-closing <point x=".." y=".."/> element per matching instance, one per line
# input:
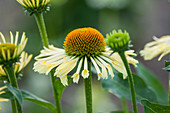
<point x="96" y="67"/>
<point x="85" y="73"/>
<point x="1" y="88"/>
<point x="64" y="80"/>
<point x="2" y="72"/>
<point x="65" y="68"/>
<point x="3" y="100"/>
<point x="165" y="52"/>
<point x="75" y="78"/>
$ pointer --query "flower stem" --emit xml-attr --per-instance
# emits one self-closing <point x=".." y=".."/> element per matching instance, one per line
<point x="9" y="69"/>
<point x="41" y="25"/>
<point x="169" y="88"/>
<point x="125" y="108"/>
<point x="88" y="90"/>
<point x="13" y="104"/>
<point x="130" y="78"/>
<point x="57" y="100"/>
<point x="169" y="91"/>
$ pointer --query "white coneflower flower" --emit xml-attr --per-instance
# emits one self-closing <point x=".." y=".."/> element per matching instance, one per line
<point x="10" y="51"/>
<point x="18" y="66"/>
<point x="157" y="47"/>
<point x="80" y="47"/>
<point x="35" y="6"/>
<point x="1" y="92"/>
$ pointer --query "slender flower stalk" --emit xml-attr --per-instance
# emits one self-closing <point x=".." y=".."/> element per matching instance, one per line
<point x="131" y="81"/>
<point x="119" y="42"/>
<point x="13" y="105"/>
<point x="56" y="97"/>
<point x="43" y="32"/>
<point x="36" y="8"/>
<point x="9" y="69"/>
<point x="169" y="90"/>
<point x="169" y="87"/>
<point x="41" y="25"/>
<point x="125" y="108"/>
<point x="88" y="90"/>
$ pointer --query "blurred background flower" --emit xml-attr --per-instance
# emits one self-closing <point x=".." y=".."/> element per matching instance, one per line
<point x="160" y="46"/>
<point x="143" y="19"/>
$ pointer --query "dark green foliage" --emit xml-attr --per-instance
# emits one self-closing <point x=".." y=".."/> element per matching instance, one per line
<point x="167" y="66"/>
<point x="153" y="83"/>
<point x="120" y="87"/>
<point x="15" y="92"/>
<point x="155" y="108"/>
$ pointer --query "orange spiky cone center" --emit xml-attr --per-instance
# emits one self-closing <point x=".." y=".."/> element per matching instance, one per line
<point x="84" y="42"/>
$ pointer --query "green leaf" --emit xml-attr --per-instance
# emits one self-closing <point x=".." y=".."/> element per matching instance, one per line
<point x="153" y="83"/>
<point x="28" y="96"/>
<point x="37" y="100"/>
<point x="156" y="108"/>
<point x="167" y="63"/>
<point x="120" y="87"/>
<point x="16" y="92"/>
<point x="119" y="112"/>
<point x="147" y="110"/>
<point x="167" y="66"/>
<point x="60" y="87"/>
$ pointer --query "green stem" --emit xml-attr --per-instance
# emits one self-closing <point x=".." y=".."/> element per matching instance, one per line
<point x="169" y="88"/>
<point x="42" y="28"/>
<point x="43" y="32"/>
<point x="88" y="90"/>
<point x="13" y="104"/>
<point x="56" y="97"/>
<point x="130" y="78"/>
<point x="125" y="108"/>
<point x="169" y="91"/>
<point x="9" y="69"/>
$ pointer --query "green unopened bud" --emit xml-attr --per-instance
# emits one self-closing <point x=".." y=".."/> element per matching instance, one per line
<point x="118" y="41"/>
<point x="35" y="6"/>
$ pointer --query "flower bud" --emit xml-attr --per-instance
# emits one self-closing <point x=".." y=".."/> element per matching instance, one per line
<point x="118" y="41"/>
<point x="35" y="6"/>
